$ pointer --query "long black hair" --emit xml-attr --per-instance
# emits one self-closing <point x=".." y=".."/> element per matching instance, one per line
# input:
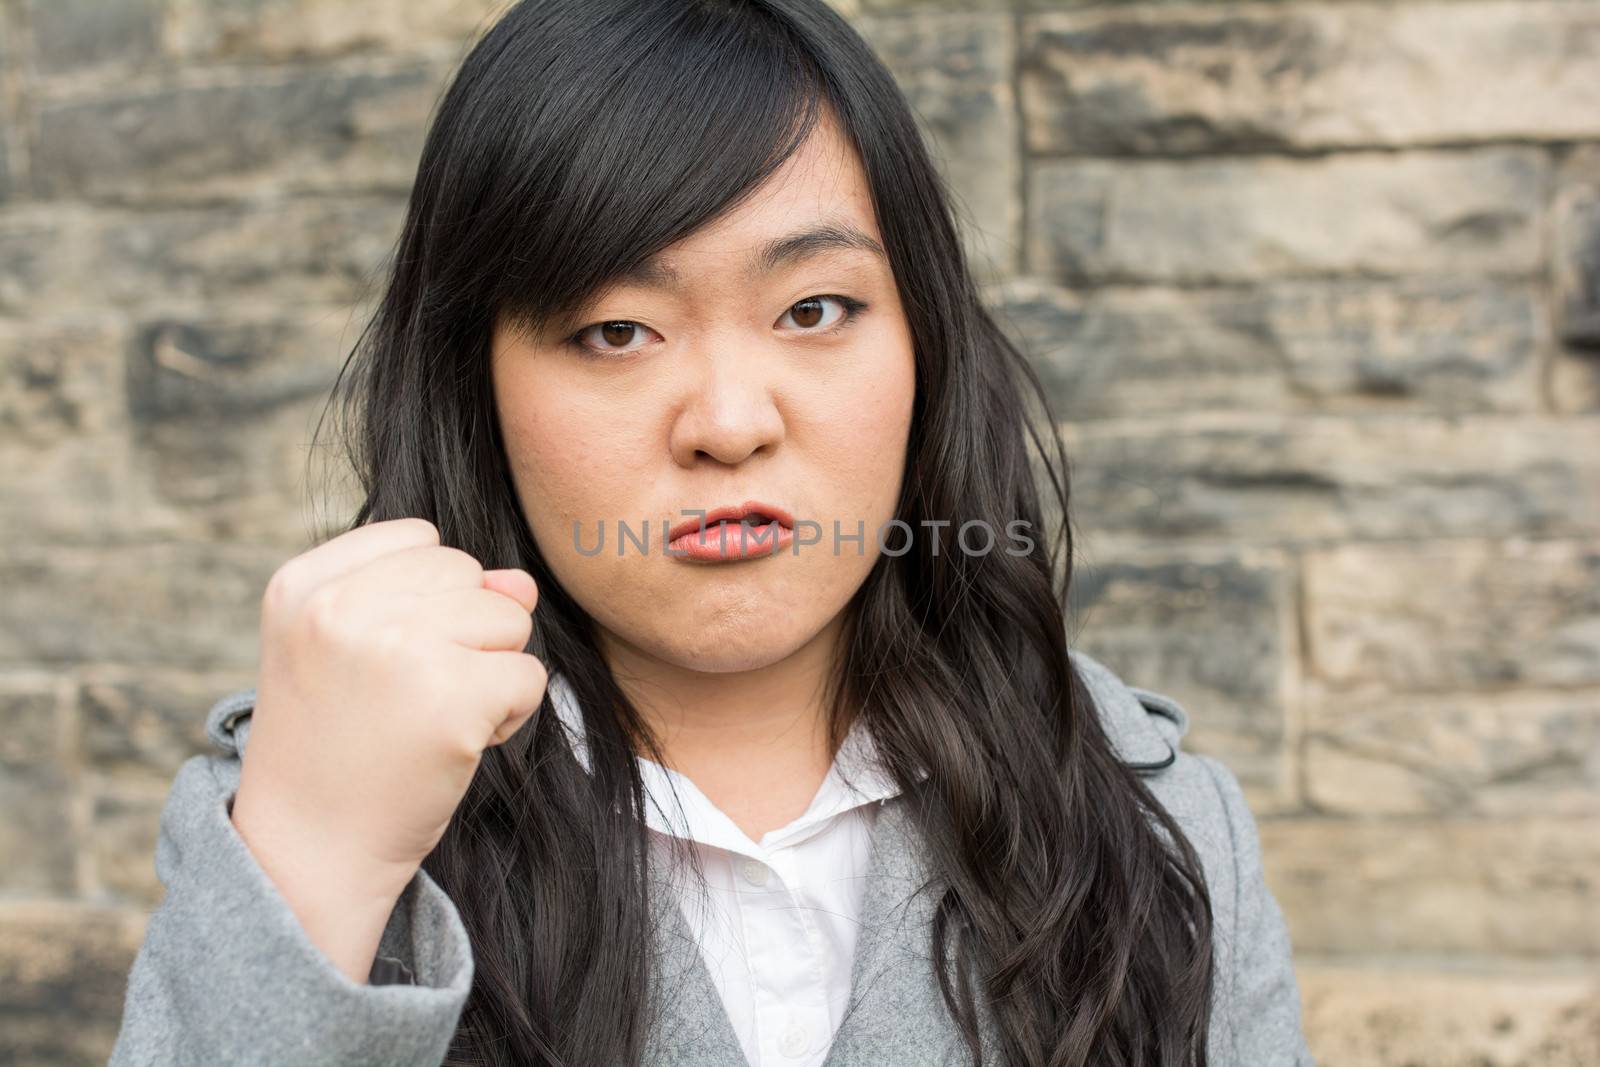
<point x="577" y="139"/>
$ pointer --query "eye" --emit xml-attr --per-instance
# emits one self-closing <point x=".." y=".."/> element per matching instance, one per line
<point x="808" y="314"/>
<point x="611" y="332"/>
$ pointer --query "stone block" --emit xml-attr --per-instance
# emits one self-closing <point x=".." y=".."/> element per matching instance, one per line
<point x="125" y="825"/>
<point x="1209" y="632"/>
<point x="1156" y="80"/>
<point x="211" y="477"/>
<point x="1577" y="252"/>
<point x="1315" y="479"/>
<point x="63" y="439"/>
<point x="1467" y="212"/>
<point x="956" y="72"/>
<point x="1488" y="1016"/>
<point x="274" y="253"/>
<point x="275" y="30"/>
<point x="70" y="35"/>
<point x="37" y="835"/>
<point x="1513" y="887"/>
<point x="1427" y="344"/>
<point x="1456" y="616"/>
<point x="63" y="975"/>
<point x="316" y="128"/>
<point x="195" y="605"/>
<point x="193" y="427"/>
<point x="139" y="725"/>
<point x="232" y="369"/>
<point x="1518" y="752"/>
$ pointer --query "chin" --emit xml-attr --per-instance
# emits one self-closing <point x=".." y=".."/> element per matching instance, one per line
<point x="730" y="647"/>
<point x="719" y="622"/>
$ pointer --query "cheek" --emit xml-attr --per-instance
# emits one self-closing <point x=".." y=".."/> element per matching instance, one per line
<point x="563" y="461"/>
<point x="865" y="430"/>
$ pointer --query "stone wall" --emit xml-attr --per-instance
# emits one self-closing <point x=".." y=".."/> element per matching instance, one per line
<point x="1316" y="287"/>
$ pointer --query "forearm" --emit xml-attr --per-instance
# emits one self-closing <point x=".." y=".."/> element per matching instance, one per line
<point x="342" y="907"/>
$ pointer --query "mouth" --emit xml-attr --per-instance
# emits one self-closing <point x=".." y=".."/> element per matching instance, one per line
<point x="752" y="513"/>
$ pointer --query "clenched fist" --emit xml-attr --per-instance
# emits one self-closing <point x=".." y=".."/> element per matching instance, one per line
<point x="389" y="662"/>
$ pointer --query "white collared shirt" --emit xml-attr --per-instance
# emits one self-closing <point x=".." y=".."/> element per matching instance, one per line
<point x="779" y="933"/>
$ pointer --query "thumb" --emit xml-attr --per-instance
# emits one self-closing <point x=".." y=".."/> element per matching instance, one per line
<point x="515" y="583"/>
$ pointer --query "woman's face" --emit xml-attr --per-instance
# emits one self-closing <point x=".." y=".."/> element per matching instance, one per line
<point x="739" y="371"/>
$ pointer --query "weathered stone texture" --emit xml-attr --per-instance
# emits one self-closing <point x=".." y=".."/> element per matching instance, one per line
<point x="61" y="427"/>
<point x="1493" y="1016"/>
<point x="1519" y="887"/>
<point x="1577" y="251"/>
<point x="278" y="253"/>
<point x="196" y="605"/>
<point x="303" y="130"/>
<point x="1370" y="751"/>
<point x="274" y="30"/>
<point x="69" y="35"/>
<point x="63" y="973"/>
<point x="139" y="724"/>
<point x="187" y="369"/>
<point x="1464" y="615"/>
<point x="37" y="835"/>
<point x="1154" y="80"/>
<point x="1251" y="219"/>
<point x="1427" y="344"/>
<point x="1319" y="479"/>
<point x="136" y="727"/>
<point x="1213" y="629"/>
<point x="956" y="71"/>
<point x="188" y="428"/>
<point x="125" y="824"/>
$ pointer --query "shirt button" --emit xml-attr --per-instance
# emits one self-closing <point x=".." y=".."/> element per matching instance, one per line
<point x="793" y="1041"/>
<point x="754" y="871"/>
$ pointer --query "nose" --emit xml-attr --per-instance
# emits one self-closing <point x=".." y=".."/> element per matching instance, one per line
<point x="729" y="410"/>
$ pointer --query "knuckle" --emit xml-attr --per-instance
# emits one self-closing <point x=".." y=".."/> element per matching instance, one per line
<point x="427" y="528"/>
<point x="391" y="638"/>
<point x="539" y="671"/>
<point x="323" y="611"/>
<point x="279" y="592"/>
<point x="462" y="746"/>
<point x="520" y="623"/>
<point x="460" y="558"/>
<point x="533" y="680"/>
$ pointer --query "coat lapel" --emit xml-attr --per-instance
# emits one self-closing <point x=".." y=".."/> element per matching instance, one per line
<point x="896" y="1012"/>
<point x="689" y="1024"/>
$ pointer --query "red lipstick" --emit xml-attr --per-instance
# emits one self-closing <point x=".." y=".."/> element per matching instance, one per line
<point x="732" y="532"/>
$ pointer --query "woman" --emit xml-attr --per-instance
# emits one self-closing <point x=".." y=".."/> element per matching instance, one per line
<point x="692" y="685"/>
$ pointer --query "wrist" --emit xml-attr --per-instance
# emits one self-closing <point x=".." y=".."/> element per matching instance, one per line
<point x="342" y="906"/>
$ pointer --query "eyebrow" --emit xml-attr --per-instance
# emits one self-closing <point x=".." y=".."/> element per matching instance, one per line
<point x="778" y="252"/>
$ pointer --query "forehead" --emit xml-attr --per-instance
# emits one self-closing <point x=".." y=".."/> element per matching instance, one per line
<point x="818" y="200"/>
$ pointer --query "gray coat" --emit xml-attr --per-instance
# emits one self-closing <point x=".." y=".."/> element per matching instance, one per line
<point x="227" y="976"/>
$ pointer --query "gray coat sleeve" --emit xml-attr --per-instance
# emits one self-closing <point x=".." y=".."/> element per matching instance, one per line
<point x="1256" y="991"/>
<point x="226" y="974"/>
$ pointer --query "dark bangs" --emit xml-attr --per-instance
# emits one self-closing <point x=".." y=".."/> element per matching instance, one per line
<point x="584" y="143"/>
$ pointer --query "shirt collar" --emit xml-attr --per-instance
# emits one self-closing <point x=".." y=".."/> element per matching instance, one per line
<point x="692" y="815"/>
